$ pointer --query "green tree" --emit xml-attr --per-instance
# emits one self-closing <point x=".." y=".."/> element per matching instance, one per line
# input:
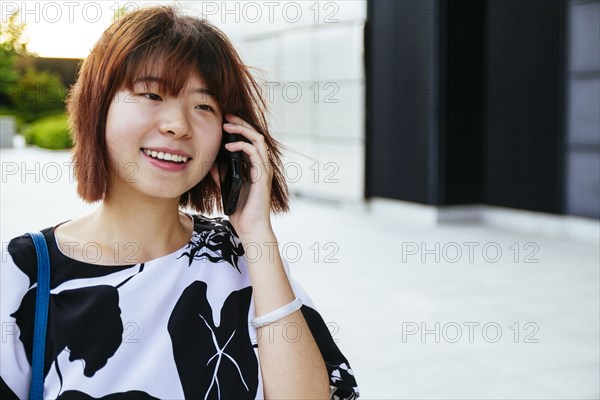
<point x="38" y="94"/>
<point x="12" y="44"/>
<point x="25" y="91"/>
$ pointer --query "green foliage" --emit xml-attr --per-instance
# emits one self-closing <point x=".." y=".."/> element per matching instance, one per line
<point x="49" y="133"/>
<point x="11" y="44"/>
<point x="8" y="73"/>
<point x="28" y="94"/>
<point x="37" y="94"/>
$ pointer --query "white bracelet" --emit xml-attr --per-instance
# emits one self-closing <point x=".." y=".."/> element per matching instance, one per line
<point x="277" y="314"/>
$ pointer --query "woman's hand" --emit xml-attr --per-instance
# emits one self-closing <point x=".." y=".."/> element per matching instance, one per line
<point x="253" y="219"/>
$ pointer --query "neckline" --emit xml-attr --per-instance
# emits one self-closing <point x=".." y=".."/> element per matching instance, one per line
<point x="55" y="244"/>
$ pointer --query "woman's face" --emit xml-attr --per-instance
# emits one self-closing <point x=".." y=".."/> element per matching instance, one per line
<point x="161" y="145"/>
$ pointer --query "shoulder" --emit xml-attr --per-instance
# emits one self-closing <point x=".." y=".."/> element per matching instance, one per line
<point x="216" y="225"/>
<point x="22" y="254"/>
<point x="214" y="239"/>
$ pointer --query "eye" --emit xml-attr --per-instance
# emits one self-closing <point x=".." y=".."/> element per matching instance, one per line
<point x="151" y="96"/>
<point x="204" y="107"/>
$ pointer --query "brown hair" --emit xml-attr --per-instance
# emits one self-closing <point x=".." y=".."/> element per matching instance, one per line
<point x="183" y="45"/>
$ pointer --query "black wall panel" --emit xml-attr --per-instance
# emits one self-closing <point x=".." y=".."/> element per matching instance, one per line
<point x="401" y="95"/>
<point x="465" y="102"/>
<point x="461" y="101"/>
<point x="525" y="105"/>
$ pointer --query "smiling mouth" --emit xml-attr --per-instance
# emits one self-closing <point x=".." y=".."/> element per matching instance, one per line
<point x="160" y="155"/>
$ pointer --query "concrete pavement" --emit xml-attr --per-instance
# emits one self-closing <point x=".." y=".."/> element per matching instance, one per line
<point x="456" y="311"/>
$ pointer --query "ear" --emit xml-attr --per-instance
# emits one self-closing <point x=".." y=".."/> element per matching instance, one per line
<point x="214" y="172"/>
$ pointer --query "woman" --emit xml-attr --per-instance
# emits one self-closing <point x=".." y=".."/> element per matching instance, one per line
<point x="146" y="300"/>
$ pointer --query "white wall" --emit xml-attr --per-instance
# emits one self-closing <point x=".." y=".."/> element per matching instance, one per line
<point x="311" y="53"/>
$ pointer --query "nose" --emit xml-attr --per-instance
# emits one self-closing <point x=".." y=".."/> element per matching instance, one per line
<point x="174" y="122"/>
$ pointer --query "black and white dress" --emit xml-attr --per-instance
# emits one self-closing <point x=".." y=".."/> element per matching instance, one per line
<point x="172" y="328"/>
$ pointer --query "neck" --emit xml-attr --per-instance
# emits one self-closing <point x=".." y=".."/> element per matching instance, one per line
<point x="150" y="227"/>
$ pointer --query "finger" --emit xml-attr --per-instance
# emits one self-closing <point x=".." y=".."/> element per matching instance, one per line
<point x="256" y="160"/>
<point x="256" y="138"/>
<point x="237" y="120"/>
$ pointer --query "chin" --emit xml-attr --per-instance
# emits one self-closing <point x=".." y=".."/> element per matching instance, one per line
<point x="163" y="193"/>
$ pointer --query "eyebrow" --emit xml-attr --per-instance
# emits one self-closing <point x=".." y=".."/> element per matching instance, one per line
<point x="149" y="79"/>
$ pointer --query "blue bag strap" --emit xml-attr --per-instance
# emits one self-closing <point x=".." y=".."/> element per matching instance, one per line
<point x="36" y="390"/>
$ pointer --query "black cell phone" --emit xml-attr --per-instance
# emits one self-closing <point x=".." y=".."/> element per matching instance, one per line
<point x="234" y="174"/>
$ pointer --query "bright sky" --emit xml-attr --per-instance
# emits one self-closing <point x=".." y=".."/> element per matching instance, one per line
<point x="69" y="29"/>
<point x="65" y="29"/>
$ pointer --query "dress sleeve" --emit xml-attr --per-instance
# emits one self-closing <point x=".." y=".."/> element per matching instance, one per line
<point x="342" y="381"/>
<point x="18" y="276"/>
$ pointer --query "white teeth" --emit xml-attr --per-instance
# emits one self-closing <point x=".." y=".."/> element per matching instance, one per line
<point x="166" y="156"/>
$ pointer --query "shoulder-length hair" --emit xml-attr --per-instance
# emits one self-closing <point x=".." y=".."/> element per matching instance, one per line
<point x="174" y="47"/>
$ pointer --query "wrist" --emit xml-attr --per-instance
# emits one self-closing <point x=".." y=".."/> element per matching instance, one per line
<point x="263" y="250"/>
<point x="258" y="237"/>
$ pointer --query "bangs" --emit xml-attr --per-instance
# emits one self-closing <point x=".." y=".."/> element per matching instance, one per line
<point x="170" y="78"/>
<point x="171" y="62"/>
